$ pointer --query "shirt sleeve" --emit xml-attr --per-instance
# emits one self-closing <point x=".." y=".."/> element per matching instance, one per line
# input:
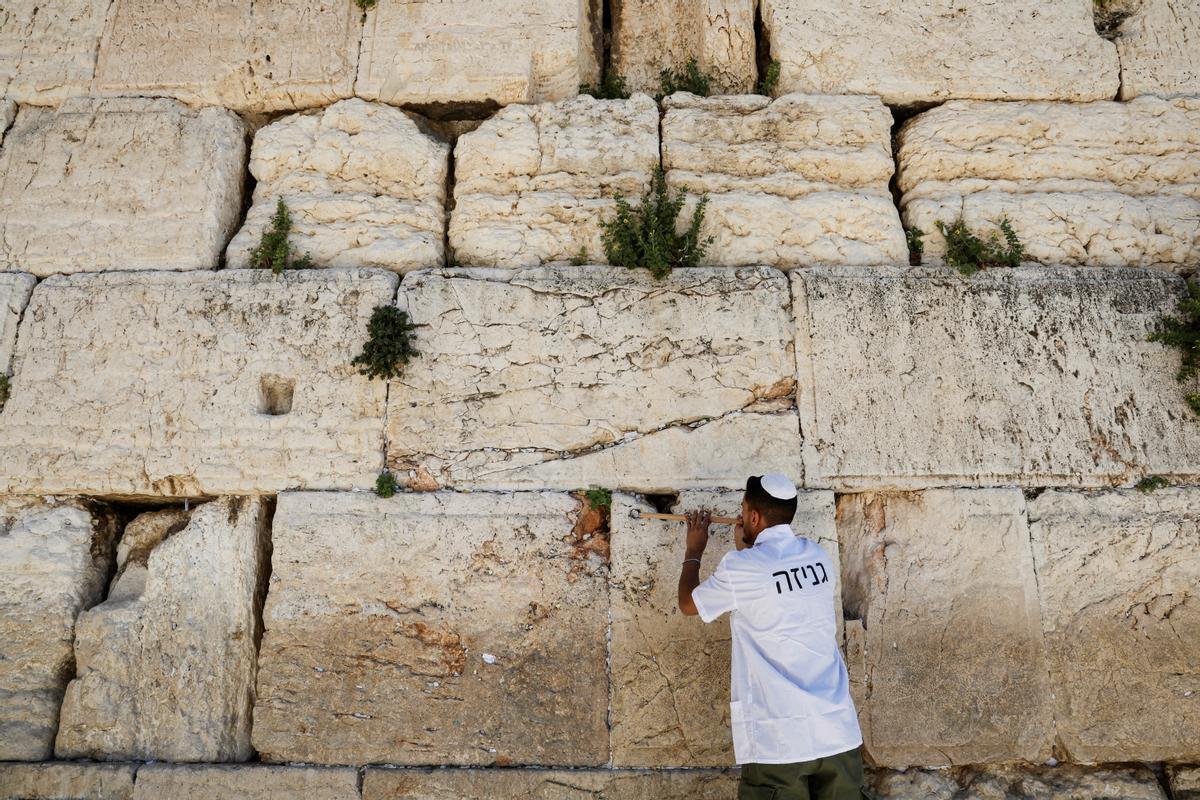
<point x="715" y="596"/>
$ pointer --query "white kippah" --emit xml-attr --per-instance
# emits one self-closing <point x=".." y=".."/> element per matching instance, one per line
<point x="779" y="486"/>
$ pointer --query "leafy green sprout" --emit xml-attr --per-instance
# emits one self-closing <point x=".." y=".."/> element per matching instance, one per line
<point x="389" y="344"/>
<point x="689" y="79"/>
<point x="768" y="82"/>
<point x="610" y="87"/>
<point x="385" y="484"/>
<point x="970" y="253"/>
<point x="916" y="244"/>
<point x="645" y="236"/>
<point x="599" y="498"/>
<point x="273" y="251"/>
<point x="1183" y="333"/>
<point x="1152" y="483"/>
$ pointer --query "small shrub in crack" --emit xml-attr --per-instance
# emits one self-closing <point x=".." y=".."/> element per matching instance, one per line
<point x="5" y="386"/>
<point x="1183" y="332"/>
<point x="645" y="236"/>
<point x="599" y="498"/>
<point x="385" y="484"/>
<point x="1152" y="483"/>
<point x="768" y="82"/>
<point x="274" y="252"/>
<point x="970" y="253"/>
<point x="389" y="344"/>
<point x="690" y="79"/>
<point x="610" y="87"/>
<point x="580" y="258"/>
<point x="916" y="245"/>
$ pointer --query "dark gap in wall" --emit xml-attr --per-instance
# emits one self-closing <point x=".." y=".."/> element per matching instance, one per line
<point x="266" y="549"/>
<point x="762" y="44"/>
<point x="454" y="112"/>
<point x="1034" y="493"/>
<point x="1164" y="780"/>
<point x="901" y="115"/>
<point x="604" y="37"/>
<point x="663" y="503"/>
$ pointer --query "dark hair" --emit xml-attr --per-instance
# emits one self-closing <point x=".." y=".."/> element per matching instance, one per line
<point x="774" y="510"/>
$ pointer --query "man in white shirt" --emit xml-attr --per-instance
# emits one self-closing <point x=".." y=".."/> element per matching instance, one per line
<point x="795" y="731"/>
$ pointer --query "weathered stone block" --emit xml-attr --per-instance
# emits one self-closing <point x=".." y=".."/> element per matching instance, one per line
<point x="247" y="55"/>
<point x="533" y="183"/>
<point x="389" y="641"/>
<point x="478" y="51"/>
<point x="48" y="50"/>
<point x="243" y="384"/>
<point x="1117" y="573"/>
<point x="168" y="674"/>
<point x="572" y="377"/>
<point x="363" y="185"/>
<point x="1185" y="782"/>
<point x="649" y="36"/>
<point x="466" y="784"/>
<point x="954" y="664"/>
<point x="1027" y="783"/>
<point x="55" y="556"/>
<point x="8" y="112"/>
<point x="1032" y="376"/>
<point x="670" y="675"/>
<point x="1111" y="184"/>
<point x="1159" y="46"/>
<point x="125" y="183"/>
<point x="15" y="288"/>
<point x="52" y="781"/>
<point x="928" y="50"/>
<point x="790" y="182"/>
<point x="168" y="782"/>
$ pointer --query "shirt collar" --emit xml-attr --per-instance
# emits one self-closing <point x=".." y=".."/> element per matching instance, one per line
<point x="772" y="533"/>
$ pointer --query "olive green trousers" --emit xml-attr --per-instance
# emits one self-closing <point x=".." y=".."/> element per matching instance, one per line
<point x="838" y="777"/>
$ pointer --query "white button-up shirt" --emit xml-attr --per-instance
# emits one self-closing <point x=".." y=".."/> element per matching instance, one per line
<point x="790" y="693"/>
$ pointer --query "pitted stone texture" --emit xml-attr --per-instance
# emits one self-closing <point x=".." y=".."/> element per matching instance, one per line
<point x="363" y="185"/>
<point x="1110" y="184"/>
<point x="48" y="50"/>
<point x="952" y="653"/>
<point x="649" y="36"/>
<point x="52" y="781"/>
<point x="572" y="377"/>
<point x="389" y="641"/>
<point x="1012" y="782"/>
<point x="478" y="51"/>
<point x="15" y="289"/>
<point x="670" y="675"/>
<point x="1117" y="573"/>
<point x="169" y="782"/>
<point x="8" y="112"/>
<point x="533" y="183"/>
<point x="1035" y="376"/>
<point x="211" y="354"/>
<point x="929" y="50"/>
<point x="1159" y="46"/>
<point x="169" y="674"/>
<point x="1185" y="782"/>
<point x="119" y="184"/>
<point x="247" y="55"/>
<point x="792" y="182"/>
<point x="55" y="556"/>
<point x="466" y="784"/>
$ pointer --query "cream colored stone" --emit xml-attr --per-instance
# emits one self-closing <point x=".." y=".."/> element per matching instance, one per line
<point x="165" y="384"/>
<point x="430" y="629"/>
<point x="1025" y="783"/>
<point x="1034" y="376"/>
<point x="478" y="51"/>
<point x="168" y="782"/>
<point x="649" y="36"/>
<point x="125" y="183"/>
<point x="565" y="378"/>
<point x="52" y="781"/>
<point x="363" y="185"/>
<point x="792" y="182"/>
<point x="1111" y="184"/>
<point x="169" y="674"/>
<point x="48" y="50"/>
<point x="1185" y="782"/>
<point x="533" y="183"/>
<point x="247" y="55"/>
<point x="15" y="288"/>
<point x="670" y="675"/>
<point x="930" y="50"/>
<point x="1117" y="573"/>
<point x="142" y="534"/>
<point x="466" y="784"/>
<point x="8" y="112"/>
<point x="55" y="556"/>
<point x="954" y="664"/>
<point x="1159" y="46"/>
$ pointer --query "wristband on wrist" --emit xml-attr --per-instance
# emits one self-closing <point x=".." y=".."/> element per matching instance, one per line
<point x="691" y="559"/>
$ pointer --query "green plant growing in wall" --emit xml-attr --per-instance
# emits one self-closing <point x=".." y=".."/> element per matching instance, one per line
<point x="389" y="344"/>
<point x="768" y="82"/>
<point x="1152" y="483"/>
<point x="385" y="484"/>
<point x="1183" y="332"/>
<point x="599" y="498"/>
<point x="610" y="87"/>
<point x="273" y="251"/>
<point x="646" y="237"/>
<point x="689" y="79"/>
<point x="366" y="5"/>
<point x="970" y="253"/>
<point x="916" y="245"/>
<point x="580" y="258"/>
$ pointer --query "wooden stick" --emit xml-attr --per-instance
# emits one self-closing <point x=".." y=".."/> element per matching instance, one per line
<point x="682" y="518"/>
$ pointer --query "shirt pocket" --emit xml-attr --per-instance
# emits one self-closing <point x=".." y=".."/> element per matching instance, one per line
<point x="741" y="734"/>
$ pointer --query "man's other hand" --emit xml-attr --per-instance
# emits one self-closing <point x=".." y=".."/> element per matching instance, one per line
<point x="698" y="523"/>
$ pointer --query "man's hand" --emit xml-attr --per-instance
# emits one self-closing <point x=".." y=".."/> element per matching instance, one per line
<point x="697" y="532"/>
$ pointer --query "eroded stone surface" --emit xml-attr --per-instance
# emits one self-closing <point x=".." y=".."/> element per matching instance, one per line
<point x="1027" y="783"/>
<point x="460" y="784"/>
<point x="533" y="183"/>
<point x="929" y="51"/>
<point x="243" y="384"/>
<point x="1112" y="184"/>
<point x="67" y="781"/>
<point x="55" y="556"/>
<point x="169" y="674"/>
<point x="1034" y="376"/>
<point x="670" y="675"/>
<point x="363" y="185"/>
<point x="1117" y="573"/>
<point x="390" y="641"/>
<point x="572" y="377"/>
<point x="15" y="288"/>
<point x="1185" y="782"/>
<point x="125" y="183"/>
<point x="247" y="55"/>
<point x="168" y="782"/>
<point x="8" y="111"/>
<point x="792" y="182"/>
<point x="48" y="50"/>
<point x="952" y="653"/>
<point x="1159" y="46"/>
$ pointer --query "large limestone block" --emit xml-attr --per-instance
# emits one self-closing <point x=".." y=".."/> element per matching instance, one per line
<point x="533" y="183"/>
<point x="432" y="629"/>
<point x="790" y="182"/>
<point x="363" y="185"/>
<point x="480" y="52"/>
<point x="247" y="55"/>
<point x="953" y="663"/>
<point x="15" y="289"/>
<point x="1117" y="573"/>
<point x="192" y="384"/>
<point x="466" y="784"/>
<point x="1034" y="376"/>
<point x="649" y="36"/>
<point x="169" y="674"/>
<point x="55" y="556"/>
<point x="119" y="184"/>
<point x="926" y="51"/>
<point x="169" y="782"/>
<point x="1159" y="46"/>
<point x="565" y="378"/>
<point x="48" y="50"/>
<point x="670" y="674"/>
<point x="60" y="781"/>
<point x="1023" y="783"/>
<point x="1111" y="184"/>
